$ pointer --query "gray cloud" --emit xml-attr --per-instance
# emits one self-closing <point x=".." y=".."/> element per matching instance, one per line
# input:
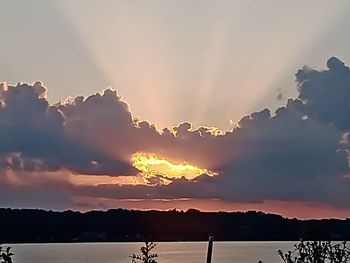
<point x="295" y="155"/>
<point x="326" y="94"/>
<point x="33" y="137"/>
<point x="300" y="153"/>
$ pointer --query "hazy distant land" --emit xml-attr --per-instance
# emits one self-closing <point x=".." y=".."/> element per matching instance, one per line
<point x="31" y="225"/>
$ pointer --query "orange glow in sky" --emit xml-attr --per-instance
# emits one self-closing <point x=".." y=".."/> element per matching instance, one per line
<point x="152" y="166"/>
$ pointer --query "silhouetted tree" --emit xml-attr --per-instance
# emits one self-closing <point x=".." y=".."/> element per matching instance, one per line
<point x="5" y="255"/>
<point x="146" y="255"/>
<point x="317" y="252"/>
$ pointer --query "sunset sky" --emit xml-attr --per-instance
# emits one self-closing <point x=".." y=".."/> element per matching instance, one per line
<point x="214" y="105"/>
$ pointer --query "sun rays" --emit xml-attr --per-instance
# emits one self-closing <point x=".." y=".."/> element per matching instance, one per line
<point x="172" y="70"/>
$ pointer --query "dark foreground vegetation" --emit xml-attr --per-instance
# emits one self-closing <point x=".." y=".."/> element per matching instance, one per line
<point x="26" y="225"/>
<point x="147" y="256"/>
<point x="304" y="252"/>
<point x="317" y="252"/>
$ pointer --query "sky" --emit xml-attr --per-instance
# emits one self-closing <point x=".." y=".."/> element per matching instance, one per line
<point x="214" y="105"/>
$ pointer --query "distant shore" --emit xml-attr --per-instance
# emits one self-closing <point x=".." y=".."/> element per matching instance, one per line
<point x="120" y="225"/>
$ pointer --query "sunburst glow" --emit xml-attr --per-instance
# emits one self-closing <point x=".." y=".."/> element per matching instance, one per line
<point x="151" y="166"/>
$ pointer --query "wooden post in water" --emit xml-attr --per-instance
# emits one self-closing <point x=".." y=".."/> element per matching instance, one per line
<point x="210" y="248"/>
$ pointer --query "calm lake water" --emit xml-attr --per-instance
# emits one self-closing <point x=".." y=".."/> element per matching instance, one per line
<point x="169" y="252"/>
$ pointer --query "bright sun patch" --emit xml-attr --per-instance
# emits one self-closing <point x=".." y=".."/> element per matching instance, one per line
<point x="152" y="166"/>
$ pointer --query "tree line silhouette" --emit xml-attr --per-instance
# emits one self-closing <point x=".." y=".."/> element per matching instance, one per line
<point x="32" y="225"/>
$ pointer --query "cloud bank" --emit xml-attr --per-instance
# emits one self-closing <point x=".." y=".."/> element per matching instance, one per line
<point x="299" y="153"/>
<point x="33" y="136"/>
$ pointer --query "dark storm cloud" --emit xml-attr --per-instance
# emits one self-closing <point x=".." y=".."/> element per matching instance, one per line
<point x="33" y="137"/>
<point x="298" y="153"/>
<point x="326" y="93"/>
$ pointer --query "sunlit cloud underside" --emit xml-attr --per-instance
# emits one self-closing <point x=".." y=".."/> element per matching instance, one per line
<point x="152" y="166"/>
